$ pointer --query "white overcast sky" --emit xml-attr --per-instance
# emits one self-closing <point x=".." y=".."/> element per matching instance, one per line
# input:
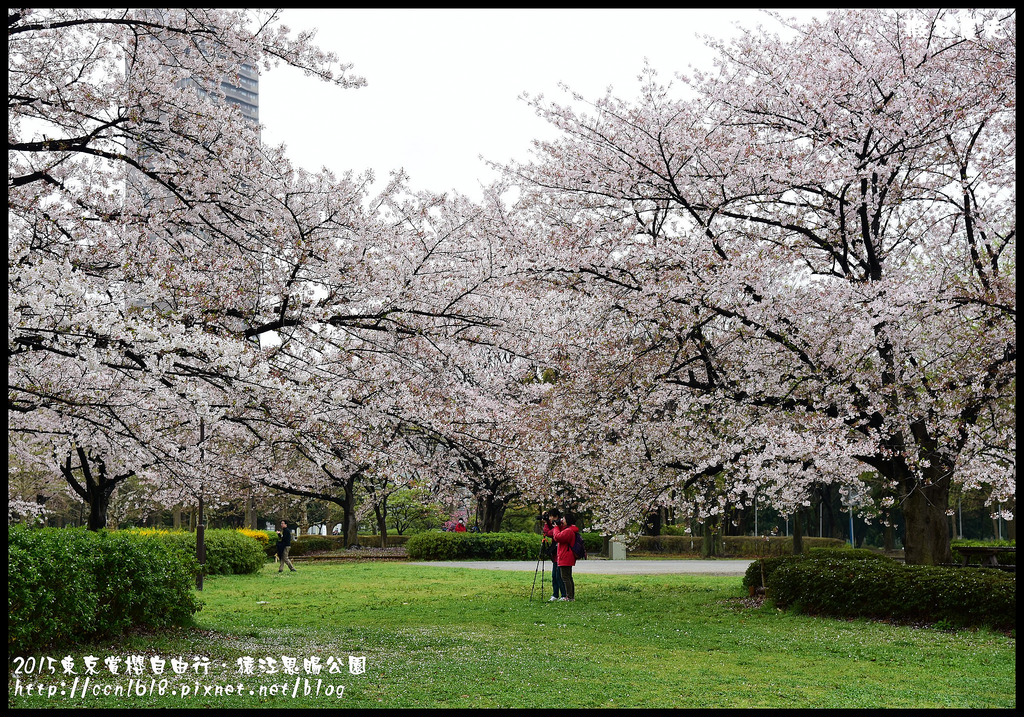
<point x="444" y="85"/>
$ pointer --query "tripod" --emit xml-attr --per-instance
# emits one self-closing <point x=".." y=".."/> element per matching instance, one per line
<point x="540" y="563"/>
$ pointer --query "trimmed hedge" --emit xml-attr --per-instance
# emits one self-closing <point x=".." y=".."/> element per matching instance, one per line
<point x="733" y="546"/>
<point x="66" y="585"/>
<point x="594" y="543"/>
<point x="228" y="551"/>
<point x="753" y="575"/>
<point x="473" y="546"/>
<point x="860" y="583"/>
<point x="306" y="544"/>
<point x="485" y="546"/>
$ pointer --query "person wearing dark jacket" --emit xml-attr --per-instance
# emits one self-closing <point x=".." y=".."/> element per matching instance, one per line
<point x="284" y="546"/>
<point x="564" y="533"/>
<point x="551" y="548"/>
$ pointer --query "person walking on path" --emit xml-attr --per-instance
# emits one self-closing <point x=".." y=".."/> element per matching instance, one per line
<point x="564" y="532"/>
<point x="284" y="546"/>
<point x="551" y="550"/>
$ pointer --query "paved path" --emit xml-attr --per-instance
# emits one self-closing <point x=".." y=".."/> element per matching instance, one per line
<point x="631" y="566"/>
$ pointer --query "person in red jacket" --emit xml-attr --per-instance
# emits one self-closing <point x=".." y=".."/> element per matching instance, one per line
<point x="551" y="550"/>
<point x="564" y="533"/>
<point x="460" y="527"/>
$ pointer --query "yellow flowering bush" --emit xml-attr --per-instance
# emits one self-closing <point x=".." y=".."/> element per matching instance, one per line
<point x="260" y="536"/>
<point x="153" y="531"/>
<point x="228" y="551"/>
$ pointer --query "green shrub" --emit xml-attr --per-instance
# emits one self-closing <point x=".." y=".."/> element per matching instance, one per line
<point x="270" y="548"/>
<point x="877" y="587"/>
<point x="228" y="551"/>
<point x="306" y="544"/>
<point x="473" y="546"/>
<point x="69" y="585"/>
<point x="668" y="544"/>
<point x="435" y="546"/>
<point x="142" y="581"/>
<point x="752" y="577"/>
<point x="506" y="546"/>
<point x="845" y="552"/>
<point x="594" y="542"/>
<point x="762" y="569"/>
<point x="486" y="546"/>
<point x="733" y="546"/>
<point x="750" y="546"/>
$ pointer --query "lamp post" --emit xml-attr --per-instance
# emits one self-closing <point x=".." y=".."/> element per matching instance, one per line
<point x="852" y="502"/>
<point x="201" y="522"/>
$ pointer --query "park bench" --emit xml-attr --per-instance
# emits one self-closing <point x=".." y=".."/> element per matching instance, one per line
<point x="987" y="555"/>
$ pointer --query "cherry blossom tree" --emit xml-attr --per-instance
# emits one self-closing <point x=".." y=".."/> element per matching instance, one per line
<point x="133" y="214"/>
<point x="797" y="266"/>
<point x="409" y="388"/>
<point x="170" y="275"/>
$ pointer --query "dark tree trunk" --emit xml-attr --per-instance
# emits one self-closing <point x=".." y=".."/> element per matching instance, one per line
<point x="926" y="535"/>
<point x="711" y="546"/>
<point x="489" y="512"/>
<point x="798" y="532"/>
<point x="889" y="536"/>
<point x="924" y="498"/>
<point x="250" y="512"/>
<point x="348" y="506"/>
<point x="99" y="502"/>
<point x="381" y="511"/>
<point x="351" y="527"/>
<point x="96" y="488"/>
<point x="652" y="526"/>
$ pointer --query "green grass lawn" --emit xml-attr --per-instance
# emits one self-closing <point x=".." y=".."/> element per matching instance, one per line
<point x="435" y="637"/>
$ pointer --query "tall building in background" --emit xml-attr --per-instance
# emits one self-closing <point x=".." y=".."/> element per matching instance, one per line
<point x="243" y="93"/>
<point x="240" y="90"/>
<point x="246" y="94"/>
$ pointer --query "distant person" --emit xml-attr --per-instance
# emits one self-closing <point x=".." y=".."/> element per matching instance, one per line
<point x="551" y="551"/>
<point x="460" y="527"/>
<point x="284" y="546"/>
<point x="564" y="532"/>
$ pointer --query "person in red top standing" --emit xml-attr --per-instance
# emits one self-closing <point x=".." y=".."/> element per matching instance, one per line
<point x="564" y="533"/>
<point x="550" y="520"/>
<point x="460" y="527"/>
